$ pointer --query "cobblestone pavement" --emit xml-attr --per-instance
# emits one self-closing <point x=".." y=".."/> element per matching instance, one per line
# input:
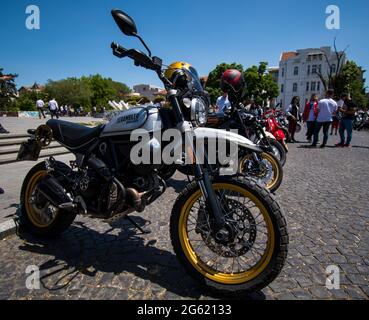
<point x="325" y="198"/>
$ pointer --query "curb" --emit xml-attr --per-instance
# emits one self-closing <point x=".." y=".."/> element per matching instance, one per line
<point x="7" y="228"/>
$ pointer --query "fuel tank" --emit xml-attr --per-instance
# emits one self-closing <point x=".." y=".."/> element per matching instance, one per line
<point x="125" y="122"/>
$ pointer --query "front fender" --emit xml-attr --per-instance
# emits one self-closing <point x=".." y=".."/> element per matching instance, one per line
<point x="209" y="133"/>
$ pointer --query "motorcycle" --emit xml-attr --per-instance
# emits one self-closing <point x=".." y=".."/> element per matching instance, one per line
<point x="273" y="126"/>
<point x="228" y="232"/>
<point x="251" y="127"/>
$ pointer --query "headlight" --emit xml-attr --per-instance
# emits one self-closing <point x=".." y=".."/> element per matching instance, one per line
<point x="199" y="111"/>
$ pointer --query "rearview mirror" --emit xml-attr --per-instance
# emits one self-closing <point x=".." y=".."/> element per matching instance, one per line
<point x="124" y="22"/>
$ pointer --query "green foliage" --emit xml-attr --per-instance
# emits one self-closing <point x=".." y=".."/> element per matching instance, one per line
<point x="27" y="100"/>
<point x="351" y="80"/>
<point x="159" y="99"/>
<point x="259" y="84"/>
<point x="8" y="89"/>
<point x="71" y="91"/>
<point x="213" y="83"/>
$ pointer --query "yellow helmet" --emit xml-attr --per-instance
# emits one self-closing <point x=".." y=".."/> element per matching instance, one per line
<point x="174" y="67"/>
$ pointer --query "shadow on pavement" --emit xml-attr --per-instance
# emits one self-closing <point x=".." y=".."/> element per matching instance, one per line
<point x="85" y="251"/>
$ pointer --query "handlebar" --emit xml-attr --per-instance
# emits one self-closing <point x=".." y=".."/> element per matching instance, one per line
<point x="139" y="58"/>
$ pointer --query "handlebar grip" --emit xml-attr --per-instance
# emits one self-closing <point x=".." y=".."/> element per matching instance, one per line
<point x="118" y="50"/>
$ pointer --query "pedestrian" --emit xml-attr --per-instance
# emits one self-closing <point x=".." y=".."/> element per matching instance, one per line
<point x="293" y="115"/>
<point x="62" y="111"/>
<point x="326" y="108"/>
<point x="309" y="116"/>
<point x="335" y="123"/>
<point x="3" y="130"/>
<point x="40" y="104"/>
<point x="53" y="107"/>
<point x="223" y="103"/>
<point x="348" y="113"/>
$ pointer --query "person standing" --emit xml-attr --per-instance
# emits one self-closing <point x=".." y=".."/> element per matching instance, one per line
<point x="40" y="104"/>
<point x="348" y="113"/>
<point x="223" y="103"/>
<point x="293" y="115"/>
<point x="326" y="108"/>
<point x="53" y="107"/>
<point x="309" y="116"/>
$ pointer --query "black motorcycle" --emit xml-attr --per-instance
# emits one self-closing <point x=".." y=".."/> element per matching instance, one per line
<point x="249" y="126"/>
<point x="228" y="232"/>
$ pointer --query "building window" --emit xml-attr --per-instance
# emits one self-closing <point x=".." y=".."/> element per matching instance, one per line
<point x="318" y="86"/>
<point x="308" y="58"/>
<point x="307" y="86"/>
<point x="333" y="68"/>
<point x="282" y="72"/>
<point x="309" y="69"/>
<point x="320" y="57"/>
<point x="296" y="71"/>
<point x="313" y="86"/>
<point x="282" y="88"/>
<point x="313" y="70"/>
<point x="320" y="69"/>
<point x="294" y="89"/>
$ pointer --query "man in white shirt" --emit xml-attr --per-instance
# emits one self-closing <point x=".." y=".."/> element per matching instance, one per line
<point x="223" y="103"/>
<point x="53" y="107"/>
<point x="40" y="108"/>
<point x="326" y="108"/>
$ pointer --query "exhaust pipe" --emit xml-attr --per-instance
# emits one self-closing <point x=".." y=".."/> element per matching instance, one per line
<point x="136" y="199"/>
<point x="54" y="192"/>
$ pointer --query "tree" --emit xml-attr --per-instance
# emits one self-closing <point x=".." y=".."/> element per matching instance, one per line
<point x="71" y="91"/>
<point x="330" y="78"/>
<point x="27" y="101"/>
<point x="213" y="83"/>
<point x="159" y="99"/>
<point x="260" y="85"/>
<point x="351" y="80"/>
<point x="8" y="89"/>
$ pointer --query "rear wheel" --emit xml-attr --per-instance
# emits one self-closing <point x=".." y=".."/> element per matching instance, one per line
<point x="37" y="215"/>
<point x="253" y="253"/>
<point x="268" y="173"/>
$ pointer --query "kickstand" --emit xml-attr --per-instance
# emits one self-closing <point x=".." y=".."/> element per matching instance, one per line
<point x="137" y="226"/>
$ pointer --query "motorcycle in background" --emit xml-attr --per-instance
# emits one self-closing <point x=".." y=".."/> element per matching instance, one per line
<point x="273" y="126"/>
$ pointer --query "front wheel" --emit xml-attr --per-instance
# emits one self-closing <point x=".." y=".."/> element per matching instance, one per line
<point x="267" y="171"/>
<point x="253" y="247"/>
<point x="278" y="150"/>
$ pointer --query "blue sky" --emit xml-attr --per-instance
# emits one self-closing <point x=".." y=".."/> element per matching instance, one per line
<point x="75" y="35"/>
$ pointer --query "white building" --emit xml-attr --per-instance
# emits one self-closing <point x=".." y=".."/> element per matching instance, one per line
<point x="147" y="90"/>
<point x="298" y="73"/>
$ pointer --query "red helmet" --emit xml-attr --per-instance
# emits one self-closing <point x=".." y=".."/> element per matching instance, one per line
<point x="232" y="82"/>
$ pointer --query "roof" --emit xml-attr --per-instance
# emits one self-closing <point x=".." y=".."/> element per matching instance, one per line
<point x="288" y="55"/>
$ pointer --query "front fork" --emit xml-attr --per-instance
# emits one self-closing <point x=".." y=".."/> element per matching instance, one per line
<point x="204" y="181"/>
<point x="201" y="173"/>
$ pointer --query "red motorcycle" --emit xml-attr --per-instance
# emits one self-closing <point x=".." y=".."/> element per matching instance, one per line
<point x="274" y="127"/>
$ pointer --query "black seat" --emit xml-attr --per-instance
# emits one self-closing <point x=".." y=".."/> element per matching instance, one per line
<point x="71" y="134"/>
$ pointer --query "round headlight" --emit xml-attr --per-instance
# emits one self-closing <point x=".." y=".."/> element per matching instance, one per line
<point x="199" y="111"/>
